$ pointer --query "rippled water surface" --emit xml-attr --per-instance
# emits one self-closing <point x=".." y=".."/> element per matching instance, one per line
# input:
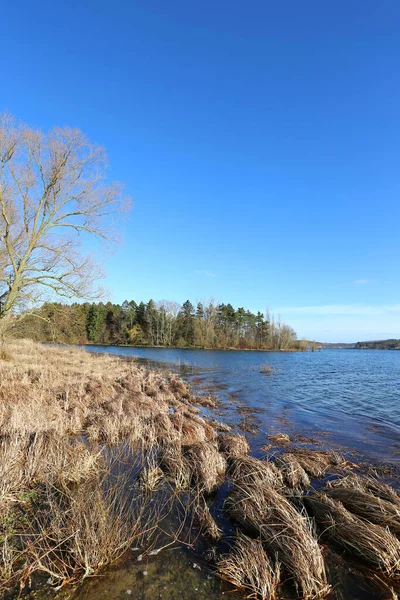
<point x="348" y="397"/>
<point x="343" y="399"/>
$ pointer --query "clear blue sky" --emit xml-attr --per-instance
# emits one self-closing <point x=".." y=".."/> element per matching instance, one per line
<point x="260" y="142"/>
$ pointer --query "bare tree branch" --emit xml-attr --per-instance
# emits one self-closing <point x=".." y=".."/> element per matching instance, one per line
<point x="53" y="193"/>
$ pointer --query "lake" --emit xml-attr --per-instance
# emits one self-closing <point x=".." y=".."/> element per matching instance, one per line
<point x="348" y="398"/>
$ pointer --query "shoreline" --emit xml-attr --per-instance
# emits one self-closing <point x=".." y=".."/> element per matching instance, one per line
<point x="141" y="415"/>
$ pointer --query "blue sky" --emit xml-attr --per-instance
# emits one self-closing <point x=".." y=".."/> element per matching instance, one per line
<point x="259" y="141"/>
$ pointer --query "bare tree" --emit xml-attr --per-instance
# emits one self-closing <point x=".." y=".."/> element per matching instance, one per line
<point x="52" y="195"/>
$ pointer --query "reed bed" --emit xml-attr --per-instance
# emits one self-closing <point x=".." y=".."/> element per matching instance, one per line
<point x="364" y="541"/>
<point x="70" y="500"/>
<point x="250" y="570"/>
<point x="265" y="513"/>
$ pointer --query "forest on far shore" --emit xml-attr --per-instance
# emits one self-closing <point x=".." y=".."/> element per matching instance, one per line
<point x="164" y="323"/>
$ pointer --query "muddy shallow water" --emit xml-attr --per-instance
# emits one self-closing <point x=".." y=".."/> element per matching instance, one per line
<point x="341" y="399"/>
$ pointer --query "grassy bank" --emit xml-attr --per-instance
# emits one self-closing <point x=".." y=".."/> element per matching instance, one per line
<point x="96" y="453"/>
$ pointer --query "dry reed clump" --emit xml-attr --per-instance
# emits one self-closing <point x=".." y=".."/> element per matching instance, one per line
<point x="176" y="466"/>
<point x="218" y="426"/>
<point x="249" y="569"/>
<point x="178" y="387"/>
<point x="315" y="463"/>
<point x="207" y="466"/>
<point x="245" y="470"/>
<point x="293" y="474"/>
<point x="232" y="445"/>
<point x="367" y="507"/>
<point x="280" y="439"/>
<point x="207" y="522"/>
<point x="192" y="429"/>
<point x="286" y="533"/>
<point x="368" y="485"/>
<point x="364" y="541"/>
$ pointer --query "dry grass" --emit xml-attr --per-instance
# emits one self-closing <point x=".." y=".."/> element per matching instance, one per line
<point x="289" y="535"/>
<point x="293" y="474"/>
<point x="314" y="462"/>
<point x="250" y="570"/>
<point x="367" y="542"/>
<point x="232" y="445"/>
<point x="245" y="470"/>
<point x="207" y="465"/>
<point x="68" y="506"/>
<point x="207" y="522"/>
<point x="368" y="485"/>
<point x="367" y="507"/>
<point x="280" y="439"/>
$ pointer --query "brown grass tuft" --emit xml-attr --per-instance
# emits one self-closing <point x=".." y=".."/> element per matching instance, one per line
<point x="264" y="512"/>
<point x="249" y="569"/>
<point x="293" y="473"/>
<point x="367" y="507"/>
<point x="369" y="485"/>
<point x="207" y="466"/>
<point x="367" y="542"/>
<point x="233" y="445"/>
<point x="244" y="470"/>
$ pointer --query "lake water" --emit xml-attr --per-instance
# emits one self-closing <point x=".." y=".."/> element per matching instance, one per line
<point x="347" y="398"/>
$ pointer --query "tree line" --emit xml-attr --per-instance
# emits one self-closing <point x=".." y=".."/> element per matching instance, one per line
<point x="163" y="323"/>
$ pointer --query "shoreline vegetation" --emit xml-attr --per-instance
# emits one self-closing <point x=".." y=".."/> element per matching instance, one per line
<point x="97" y="453"/>
<point x="158" y="324"/>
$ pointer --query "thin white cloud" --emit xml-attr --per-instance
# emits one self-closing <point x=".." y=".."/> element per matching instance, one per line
<point x="204" y="272"/>
<point x="340" y="309"/>
<point x="362" y="281"/>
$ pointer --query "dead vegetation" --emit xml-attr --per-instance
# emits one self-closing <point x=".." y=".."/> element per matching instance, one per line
<point x="265" y="513"/>
<point x="233" y="445"/>
<point x="95" y="451"/>
<point x="70" y="500"/>
<point x="367" y="506"/>
<point x="365" y="541"/>
<point x="249" y="569"/>
<point x="266" y="369"/>
<point x="246" y="470"/>
<point x="294" y="476"/>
